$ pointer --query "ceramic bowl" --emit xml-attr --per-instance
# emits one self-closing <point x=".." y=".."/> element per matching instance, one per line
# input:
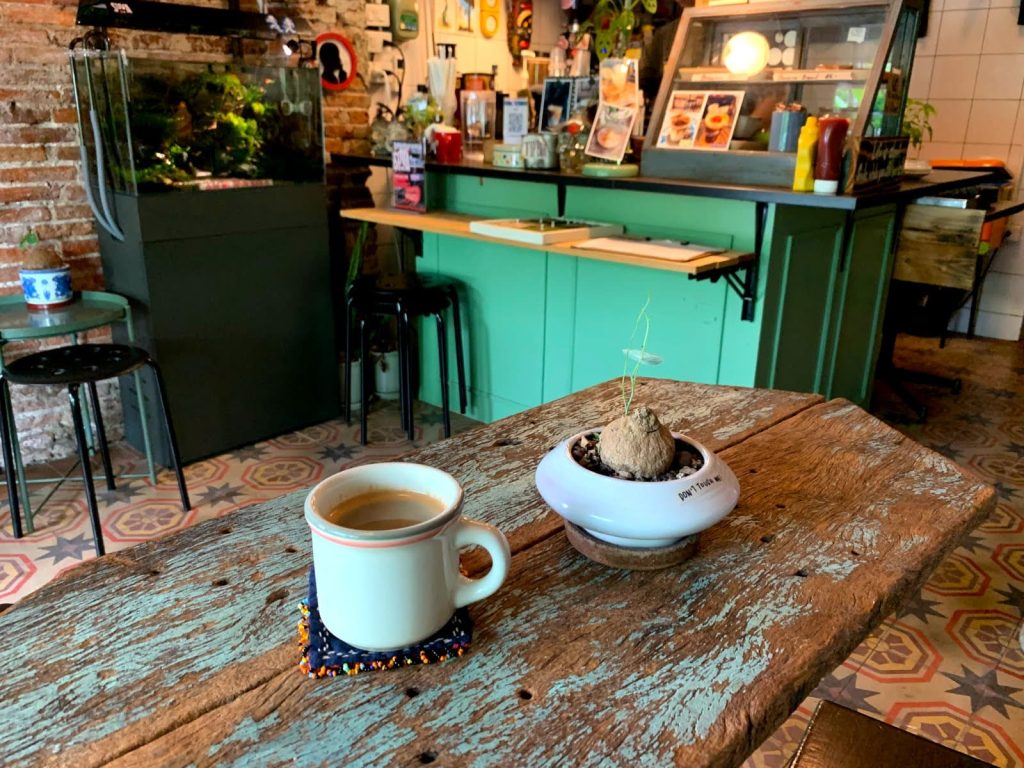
<point x="637" y="514"/>
<point x="46" y="288"/>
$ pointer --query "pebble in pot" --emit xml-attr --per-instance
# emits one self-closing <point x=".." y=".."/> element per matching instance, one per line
<point x="638" y="444"/>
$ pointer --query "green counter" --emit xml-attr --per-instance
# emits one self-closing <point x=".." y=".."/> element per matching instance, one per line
<point x="539" y="325"/>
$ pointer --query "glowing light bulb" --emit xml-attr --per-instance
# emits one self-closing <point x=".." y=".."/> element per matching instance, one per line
<point x="746" y="53"/>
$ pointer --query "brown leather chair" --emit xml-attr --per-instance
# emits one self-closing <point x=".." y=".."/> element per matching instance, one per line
<point x="838" y="737"/>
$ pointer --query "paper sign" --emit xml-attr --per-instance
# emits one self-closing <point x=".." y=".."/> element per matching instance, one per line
<point x="857" y="35"/>
<point x="515" y="120"/>
<point x="408" y="182"/>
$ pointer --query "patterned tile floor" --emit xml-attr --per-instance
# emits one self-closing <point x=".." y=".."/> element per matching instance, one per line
<point x="138" y="510"/>
<point x="949" y="667"/>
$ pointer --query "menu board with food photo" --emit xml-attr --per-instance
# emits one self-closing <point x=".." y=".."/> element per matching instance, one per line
<point x="718" y="121"/>
<point x="619" y="83"/>
<point x="681" y="118"/>
<point x="700" y="119"/>
<point x="610" y="135"/>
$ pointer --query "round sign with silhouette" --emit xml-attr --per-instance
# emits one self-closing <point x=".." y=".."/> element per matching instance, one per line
<point x="337" y="60"/>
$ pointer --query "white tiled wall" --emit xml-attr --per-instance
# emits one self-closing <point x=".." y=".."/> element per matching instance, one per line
<point x="971" y="68"/>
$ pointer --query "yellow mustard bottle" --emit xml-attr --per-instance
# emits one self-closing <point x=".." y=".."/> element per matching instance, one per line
<point x="806" y="144"/>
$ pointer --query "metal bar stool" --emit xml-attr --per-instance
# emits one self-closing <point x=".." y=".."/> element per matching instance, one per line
<point x="404" y="303"/>
<point x="74" y="366"/>
<point x="90" y="309"/>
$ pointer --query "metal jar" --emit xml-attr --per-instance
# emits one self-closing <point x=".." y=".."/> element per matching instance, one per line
<point x="540" y="150"/>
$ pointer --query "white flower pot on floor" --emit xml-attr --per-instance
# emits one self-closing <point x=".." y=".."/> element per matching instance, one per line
<point x="385" y="375"/>
<point x="356" y="384"/>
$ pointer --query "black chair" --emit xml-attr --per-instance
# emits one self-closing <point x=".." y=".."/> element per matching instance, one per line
<point x="409" y="297"/>
<point x="74" y="366"/>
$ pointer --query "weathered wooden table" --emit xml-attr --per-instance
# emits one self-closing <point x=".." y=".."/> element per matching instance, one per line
<point x="183" y="651"/>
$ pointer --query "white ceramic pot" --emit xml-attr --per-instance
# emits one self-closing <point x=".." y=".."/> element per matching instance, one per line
<point x="385" y="375"/>
<point x="637" y="514"/>
<point x="385" y="589"/>
<point x="46" y="288"/>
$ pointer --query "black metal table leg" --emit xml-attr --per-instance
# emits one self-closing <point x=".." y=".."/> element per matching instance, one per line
<point x="442" y="352"/>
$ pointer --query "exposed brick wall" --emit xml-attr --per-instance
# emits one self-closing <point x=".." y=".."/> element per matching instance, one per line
<point x="40" y="184"/>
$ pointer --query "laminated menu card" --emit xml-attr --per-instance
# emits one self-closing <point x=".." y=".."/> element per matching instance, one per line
<point x="409" y="177"/>
<point x="700" y="119"/>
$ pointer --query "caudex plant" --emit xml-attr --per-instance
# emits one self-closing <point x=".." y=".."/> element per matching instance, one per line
<point x="36" y="256"/>
<point x="637" y="444"/>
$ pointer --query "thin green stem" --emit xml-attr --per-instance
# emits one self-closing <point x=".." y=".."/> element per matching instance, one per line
<point x="628" y="400"/>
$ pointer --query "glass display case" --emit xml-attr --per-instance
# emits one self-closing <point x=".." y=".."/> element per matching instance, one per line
<point x="741" y="79"/>
<point x="151" y="124"/>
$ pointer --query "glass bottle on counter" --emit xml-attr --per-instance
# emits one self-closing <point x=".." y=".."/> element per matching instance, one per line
<point x="572" y="143"/>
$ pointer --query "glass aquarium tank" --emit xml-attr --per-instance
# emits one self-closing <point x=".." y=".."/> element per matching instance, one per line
<point x="153" y="124"/>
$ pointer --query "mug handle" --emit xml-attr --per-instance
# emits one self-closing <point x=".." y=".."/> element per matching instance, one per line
<point x="472" y="533"/>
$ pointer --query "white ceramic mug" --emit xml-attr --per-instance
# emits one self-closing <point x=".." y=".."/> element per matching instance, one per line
<point x="385" y="589"/>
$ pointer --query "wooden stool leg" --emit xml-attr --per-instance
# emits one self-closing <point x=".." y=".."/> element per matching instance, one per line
<point x="442" y="354"/>
<point x="101" y="436"/>
<point x="460" y="363"/>
<point x="9" y="471"/>
<point x="165" y="409"/>
<point x="364" y="369"/>
<point x="83" y="457"/>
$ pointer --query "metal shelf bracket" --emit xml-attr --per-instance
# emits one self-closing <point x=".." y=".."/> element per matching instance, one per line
<point x="745" y="287"/>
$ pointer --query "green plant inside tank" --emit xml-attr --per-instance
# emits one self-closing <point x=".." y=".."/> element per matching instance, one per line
<point x="215" y="124"/>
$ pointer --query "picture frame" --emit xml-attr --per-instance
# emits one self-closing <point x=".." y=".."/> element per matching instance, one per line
<point x="609" y="137"/>
<point x="556" y="102"/>
<point x="337" y="61"/>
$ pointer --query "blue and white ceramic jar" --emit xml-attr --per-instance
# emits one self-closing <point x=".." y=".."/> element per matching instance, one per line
<point x="46" y="288"/>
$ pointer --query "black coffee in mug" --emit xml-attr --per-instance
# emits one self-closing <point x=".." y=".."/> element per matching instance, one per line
<point x="385" y="510"/>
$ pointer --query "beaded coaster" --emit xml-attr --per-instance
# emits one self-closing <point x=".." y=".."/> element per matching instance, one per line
<point x="324" y="655"/>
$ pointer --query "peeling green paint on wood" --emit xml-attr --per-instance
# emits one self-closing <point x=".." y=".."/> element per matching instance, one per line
<point x="158" y="663"/>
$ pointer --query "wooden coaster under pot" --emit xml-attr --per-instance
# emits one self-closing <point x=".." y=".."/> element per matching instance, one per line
<point x="630" y="558"/>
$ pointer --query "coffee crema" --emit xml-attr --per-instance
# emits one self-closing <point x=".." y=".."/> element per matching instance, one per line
<point x="385" y="510"/>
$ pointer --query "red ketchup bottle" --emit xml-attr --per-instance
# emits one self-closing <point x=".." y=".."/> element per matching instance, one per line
<point x="831" y="143"/>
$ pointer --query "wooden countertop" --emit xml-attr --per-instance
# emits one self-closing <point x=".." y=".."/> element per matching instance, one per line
<point x="457" y="225"/>
<point x="183" y="651"/>
<point x="906" y="191"/>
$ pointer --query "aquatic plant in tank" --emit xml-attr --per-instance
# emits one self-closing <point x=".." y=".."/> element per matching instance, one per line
<point x="176" y="123"/>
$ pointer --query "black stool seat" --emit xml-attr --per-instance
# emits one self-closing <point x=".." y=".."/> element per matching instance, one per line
<point x="417" y="300"/>
<point x="81" y="363"/>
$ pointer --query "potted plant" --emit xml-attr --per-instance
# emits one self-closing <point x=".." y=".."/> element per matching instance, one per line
<point x="384" y="352"/>
<point x="45" y="278"/>
<point x="612" y="23"/>
<point x="634" y="484"/>
<point x="917" y="126"/>
<point x="354" y="365"/>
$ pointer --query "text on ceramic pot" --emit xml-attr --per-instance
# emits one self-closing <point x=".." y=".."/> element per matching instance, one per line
<point x="699" y="486"/>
